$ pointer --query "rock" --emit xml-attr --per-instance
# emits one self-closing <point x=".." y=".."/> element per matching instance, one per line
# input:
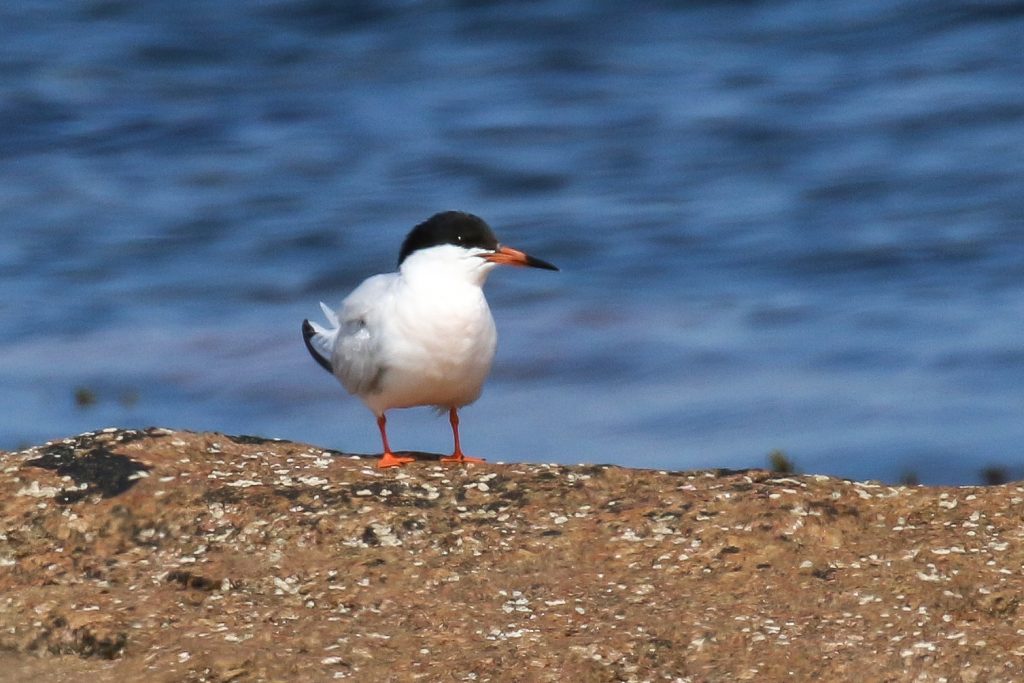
<point x="160" y="555"/>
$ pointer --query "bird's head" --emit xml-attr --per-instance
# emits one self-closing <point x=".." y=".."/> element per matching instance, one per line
<point x="466" y="242"/>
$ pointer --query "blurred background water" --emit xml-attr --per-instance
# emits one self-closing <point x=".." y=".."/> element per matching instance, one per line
<point x="791" y="225"/>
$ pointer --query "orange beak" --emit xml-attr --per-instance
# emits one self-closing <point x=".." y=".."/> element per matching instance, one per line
<point x="513" y="257"/>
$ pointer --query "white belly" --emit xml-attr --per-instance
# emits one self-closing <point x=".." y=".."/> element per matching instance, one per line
<point x="439" y="351"/>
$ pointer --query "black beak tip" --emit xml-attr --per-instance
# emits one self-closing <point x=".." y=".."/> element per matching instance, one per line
<point x="535" y="262"/>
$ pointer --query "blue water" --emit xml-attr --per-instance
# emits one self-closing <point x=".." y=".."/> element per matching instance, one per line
<point x="791" y="225"/>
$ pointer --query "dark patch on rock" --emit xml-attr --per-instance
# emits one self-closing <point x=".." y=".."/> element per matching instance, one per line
<point x="89" y="461"/>
<point x="248" y="440"/>
<point x="722" y="472"/>
<point x="413" y="525"/>
<point x="66" y="497"/>
<point x="190" y="580"/>
<point x="334" y="498"/>
<point x="823" y="573"/>
<point x="594" y="470"/>
<point x="662" y="516"/>
<point x="513" y="495"/>
<point x="59" y="638"/>
<point x="224" y="496"/>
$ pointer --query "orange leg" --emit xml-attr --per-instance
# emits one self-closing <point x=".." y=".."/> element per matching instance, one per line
<point x="458" y="455"/>
<point x="388" y="459"/>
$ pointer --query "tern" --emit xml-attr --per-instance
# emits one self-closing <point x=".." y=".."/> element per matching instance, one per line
<point x="422" y="336"/>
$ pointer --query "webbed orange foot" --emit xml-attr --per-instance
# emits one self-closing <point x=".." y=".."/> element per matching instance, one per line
<point x="391" y="460"/>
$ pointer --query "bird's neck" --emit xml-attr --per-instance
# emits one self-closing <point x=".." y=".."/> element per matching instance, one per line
<point x="439" y="272"/>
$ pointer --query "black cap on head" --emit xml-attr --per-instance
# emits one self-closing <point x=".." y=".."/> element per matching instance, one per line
<point x="449" y="227"/>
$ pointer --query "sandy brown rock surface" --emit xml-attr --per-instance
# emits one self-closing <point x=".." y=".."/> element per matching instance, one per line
<point x="174" y="556"/>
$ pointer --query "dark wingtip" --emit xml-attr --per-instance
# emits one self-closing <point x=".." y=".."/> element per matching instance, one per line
<point x="307" y="334"/>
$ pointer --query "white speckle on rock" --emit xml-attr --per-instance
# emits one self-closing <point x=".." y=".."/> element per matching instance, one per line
<point x="244" y="483"/>
<point x="36" y="491"/>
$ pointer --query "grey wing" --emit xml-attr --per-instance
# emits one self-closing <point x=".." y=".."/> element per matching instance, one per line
<point x="357" y="360"/>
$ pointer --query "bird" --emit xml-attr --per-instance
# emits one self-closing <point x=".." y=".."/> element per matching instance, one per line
<point x="424" y="335"/>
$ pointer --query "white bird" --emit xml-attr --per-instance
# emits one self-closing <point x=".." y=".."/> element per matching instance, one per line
<point x="423" y="336"/>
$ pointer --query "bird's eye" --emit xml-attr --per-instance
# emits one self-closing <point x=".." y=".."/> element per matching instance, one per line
<point x="459" y="238"/>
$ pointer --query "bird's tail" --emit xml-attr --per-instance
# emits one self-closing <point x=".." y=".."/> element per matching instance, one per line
<point x="320" y="341"/>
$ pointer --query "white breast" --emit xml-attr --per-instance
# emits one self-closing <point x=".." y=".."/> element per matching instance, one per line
<point x="439" y="345"/>
<point x="423" y="336"/>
